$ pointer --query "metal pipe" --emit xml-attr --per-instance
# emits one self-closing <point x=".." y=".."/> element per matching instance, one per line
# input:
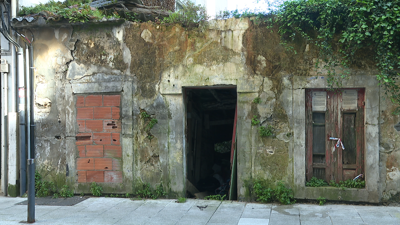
<point x="31" y="192"/>
<point x="28" y="102"/>
<point x="31" y="146"/>
<point x="22" y="122"/>
<point x="4" y="132"/>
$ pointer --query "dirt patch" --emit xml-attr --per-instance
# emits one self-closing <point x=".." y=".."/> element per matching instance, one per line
<point x="50" y="201"/>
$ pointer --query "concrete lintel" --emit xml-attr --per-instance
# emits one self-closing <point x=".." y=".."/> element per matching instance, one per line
<point x="101" y="87"/>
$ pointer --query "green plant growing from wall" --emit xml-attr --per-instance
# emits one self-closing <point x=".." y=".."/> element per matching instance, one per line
<point x="147" y="192"/>
<point x="65" y="192"/>
<point x="266" y="194"/>
<point x="321" y="200"/>
<point x="315" y="182"/>
<point x="96" y="189"/>
<point x="263" y="193"/>
<point x="144" y="115"/>
<point x="43" y="188"/>
<point x="255" y="121"/>
<point x="151" y="122"/>
<point x="257" y="100"/>
<point x="215" y="197"/>
<point x="181" y="200"/>
<point x="266" y="131"/>
<point x="348" y="184"/>
<point x="284" y="195"/>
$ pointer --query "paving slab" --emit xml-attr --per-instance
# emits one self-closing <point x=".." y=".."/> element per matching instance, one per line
<point x="253" y="221"/>
<point x="120" y="211"/>
<point x="260" y="211"/>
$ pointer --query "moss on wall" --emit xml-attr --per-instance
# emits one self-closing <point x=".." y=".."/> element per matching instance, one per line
<point x="13" y="190"/>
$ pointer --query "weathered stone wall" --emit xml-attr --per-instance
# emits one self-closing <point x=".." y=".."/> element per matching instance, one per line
<point x="148" y="64"/>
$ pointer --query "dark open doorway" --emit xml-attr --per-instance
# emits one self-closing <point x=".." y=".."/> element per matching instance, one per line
<point x="210" y="125"/>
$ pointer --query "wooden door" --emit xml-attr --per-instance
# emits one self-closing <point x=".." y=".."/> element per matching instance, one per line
<point x="342" y="117"/>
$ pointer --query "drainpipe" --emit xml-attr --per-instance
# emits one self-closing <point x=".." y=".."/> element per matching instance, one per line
<point x="31" y="148"/>
<point x="22" y="122"/>
<point x="4" y="129"/>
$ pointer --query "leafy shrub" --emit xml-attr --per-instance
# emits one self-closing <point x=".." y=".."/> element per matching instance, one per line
<point x="315" y="182"/>
<point x="279" y="193"/>
<point x="43" y="188"/>
<point x="263" y="194"/>
<point x="191" y="15"/>
<point x="284" y="195"/>
<point x="96" y="189"/>
<point x="147" y="192"/>
<point x="65" y="192"/>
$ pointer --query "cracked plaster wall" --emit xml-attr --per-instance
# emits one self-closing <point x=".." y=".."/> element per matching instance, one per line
<point x="148" y="64"/>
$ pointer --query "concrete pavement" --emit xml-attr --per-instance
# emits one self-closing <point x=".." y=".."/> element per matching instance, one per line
<point x="126" y="211"/>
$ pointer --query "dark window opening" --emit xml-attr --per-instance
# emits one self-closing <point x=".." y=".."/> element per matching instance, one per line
<point x="210" y="121"/>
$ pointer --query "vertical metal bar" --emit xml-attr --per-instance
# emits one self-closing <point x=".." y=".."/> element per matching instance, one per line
<point x="22" y="121"/>
<point x="4" y="132"/>
<point x="31" y="191"/>
<point x="31" y="144"/>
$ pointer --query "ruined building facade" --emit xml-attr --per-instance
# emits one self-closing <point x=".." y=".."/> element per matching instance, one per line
<point x="122" y="104"/>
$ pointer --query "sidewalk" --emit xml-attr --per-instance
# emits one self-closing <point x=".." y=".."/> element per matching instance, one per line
<point x="125" y="211"/>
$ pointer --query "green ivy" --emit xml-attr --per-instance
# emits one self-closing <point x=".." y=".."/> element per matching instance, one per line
<point x="340" y="29"/>
<point x="191" y="15"/>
